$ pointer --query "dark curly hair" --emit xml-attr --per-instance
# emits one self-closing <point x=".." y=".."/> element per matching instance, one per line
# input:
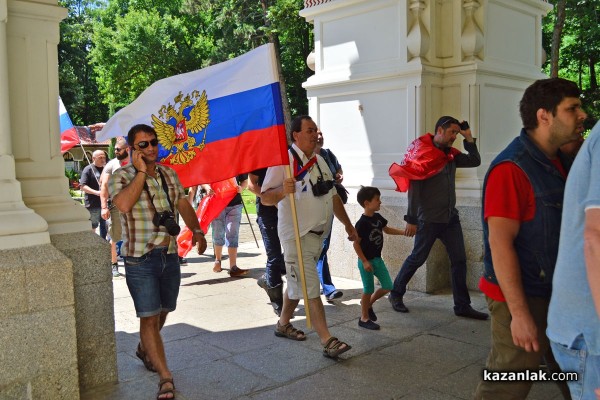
<point x="545" y="94"/>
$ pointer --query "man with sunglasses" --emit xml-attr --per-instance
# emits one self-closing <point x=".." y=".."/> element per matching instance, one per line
<point x="149" y="197"/>
<point x="108" y="210"/>
<point x="432" y="212"/>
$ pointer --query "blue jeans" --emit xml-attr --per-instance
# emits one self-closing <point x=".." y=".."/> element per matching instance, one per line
<point x="275" y="267"/>
<point x="323" y="267"/>
<point x="576" y="358"/>
<point x="226" y="227"/>
<point x="452" y="237"/>
<point x="153" y="281"/>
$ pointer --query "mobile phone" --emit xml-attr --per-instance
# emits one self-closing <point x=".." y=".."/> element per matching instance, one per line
<point x="464" y="126"/>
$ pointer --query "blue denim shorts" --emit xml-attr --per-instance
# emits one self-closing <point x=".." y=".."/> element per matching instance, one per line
<point x="153" y="281"/>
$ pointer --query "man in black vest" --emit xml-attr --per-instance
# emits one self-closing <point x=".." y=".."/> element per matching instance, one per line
<point x="522" y="208"/>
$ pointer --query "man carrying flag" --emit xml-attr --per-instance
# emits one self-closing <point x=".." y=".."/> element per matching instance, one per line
<point x="428" y="171"/>
<point x="316" y="202"/>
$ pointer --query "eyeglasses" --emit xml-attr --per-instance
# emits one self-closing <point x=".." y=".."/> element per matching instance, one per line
<point x="119" y="149"/>
<point x="143" y="144"/>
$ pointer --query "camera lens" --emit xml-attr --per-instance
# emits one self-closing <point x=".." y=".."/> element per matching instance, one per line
<point x="172" y="228"/>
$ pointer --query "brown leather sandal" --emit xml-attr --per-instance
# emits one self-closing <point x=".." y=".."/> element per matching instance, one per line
<point x="288" y="331"/>
<point x="162" y="391"/>
<point x="217" y="267"/>
<point x="141" y="354"/>
<point x="333" y="347"/>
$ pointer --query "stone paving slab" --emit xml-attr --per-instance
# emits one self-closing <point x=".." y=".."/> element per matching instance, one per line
<point x="220" y="344"/>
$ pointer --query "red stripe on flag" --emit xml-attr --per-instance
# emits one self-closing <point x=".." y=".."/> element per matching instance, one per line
<point x="230" y="157"/>
<point x="68" y="139"/>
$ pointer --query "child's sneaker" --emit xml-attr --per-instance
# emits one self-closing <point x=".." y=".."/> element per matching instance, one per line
<point x="368" y="325"/>
<point x="372" y="315"/>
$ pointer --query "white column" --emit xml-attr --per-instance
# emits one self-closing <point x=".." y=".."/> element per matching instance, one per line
<point x="33" y="36"/>
<point x="19" y="225"/>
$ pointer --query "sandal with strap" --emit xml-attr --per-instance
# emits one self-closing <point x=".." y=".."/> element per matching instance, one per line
<point x="162" y="392"/>
<point x="217" y="267"/>
<point x="334" y="347"/>
<point x="141" y="354"/>
<point x="288" y="331"/>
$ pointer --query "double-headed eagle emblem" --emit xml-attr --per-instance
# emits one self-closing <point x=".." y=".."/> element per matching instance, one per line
<point x="172" y="126"/>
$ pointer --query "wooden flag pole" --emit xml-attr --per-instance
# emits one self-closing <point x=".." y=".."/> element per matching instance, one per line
<point x="288" y="174"/>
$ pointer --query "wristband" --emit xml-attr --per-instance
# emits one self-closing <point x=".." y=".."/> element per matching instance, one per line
<point x="143" y="172"/>
<point x="198" y="231"/>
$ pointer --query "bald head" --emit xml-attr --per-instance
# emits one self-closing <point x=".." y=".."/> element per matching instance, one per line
<point x="99" y="158"/>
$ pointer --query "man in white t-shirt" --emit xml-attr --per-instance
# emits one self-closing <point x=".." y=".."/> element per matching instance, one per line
<point x="316" y="203"/>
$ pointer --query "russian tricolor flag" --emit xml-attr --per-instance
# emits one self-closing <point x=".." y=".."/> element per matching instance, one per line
<point x="68" y="135"/>
<point x="213" y="123"/>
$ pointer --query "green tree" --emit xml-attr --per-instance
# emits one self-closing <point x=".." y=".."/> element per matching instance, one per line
<point x="77" y="80"/>
<point x="579" y="48"/>
<point x="139" y="45"/>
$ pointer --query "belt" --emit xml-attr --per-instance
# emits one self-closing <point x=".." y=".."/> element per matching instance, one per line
<point x="318" y="233"/>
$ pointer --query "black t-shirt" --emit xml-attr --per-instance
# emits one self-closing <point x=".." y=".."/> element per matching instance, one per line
<point x="261" y="209"/>
<point x="238" y="197"/>
<point x="90" y="177"/>
<point x="370" y="231"/>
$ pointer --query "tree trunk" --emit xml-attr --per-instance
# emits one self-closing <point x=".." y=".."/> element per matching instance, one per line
<point x="557" y="36"/>
<point x="593" y="77"/>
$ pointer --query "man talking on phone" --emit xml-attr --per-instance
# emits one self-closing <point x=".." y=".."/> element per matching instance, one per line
<point x="149" y="197"/>
<point x="432" y="212"/>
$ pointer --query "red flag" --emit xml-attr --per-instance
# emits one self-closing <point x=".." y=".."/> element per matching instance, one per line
<point x="209" y="208"/>
<point x="421" y="161"/>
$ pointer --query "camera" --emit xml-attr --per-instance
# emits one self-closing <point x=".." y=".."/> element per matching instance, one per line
<point x="321" y="187"/>
<point x="464" y="126"/>
<point x="166" y="219"/>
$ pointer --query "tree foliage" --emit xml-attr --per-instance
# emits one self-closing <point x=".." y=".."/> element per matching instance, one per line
<point x="579" y="49"/>
<point x="111" y="50"/>
<point x="77" y="79"/>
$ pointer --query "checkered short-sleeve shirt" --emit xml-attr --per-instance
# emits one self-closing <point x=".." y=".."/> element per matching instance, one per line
<point x="139" y="233"/>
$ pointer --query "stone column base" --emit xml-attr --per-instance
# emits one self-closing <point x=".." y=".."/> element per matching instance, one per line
<point x="94" y="306"/>
<point x="37" y="325"/>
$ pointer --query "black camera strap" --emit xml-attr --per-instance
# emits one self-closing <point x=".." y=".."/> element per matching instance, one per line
<point x="165" y="189"/>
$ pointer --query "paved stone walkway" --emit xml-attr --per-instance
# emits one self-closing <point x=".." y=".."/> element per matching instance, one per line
<point x="220" y="344"/>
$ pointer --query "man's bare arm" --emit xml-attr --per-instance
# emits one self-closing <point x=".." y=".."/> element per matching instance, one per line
<point x="105" y="212"/>
<point x="503" y="232"/>
<point x="340" y="213"/>
<point x="591" y="249"/>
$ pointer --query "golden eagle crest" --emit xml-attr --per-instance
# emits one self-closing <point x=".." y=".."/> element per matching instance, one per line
<point x="189" y="114"/>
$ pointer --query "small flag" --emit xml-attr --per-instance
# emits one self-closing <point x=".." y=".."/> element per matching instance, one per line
<point x="68" y="134"/>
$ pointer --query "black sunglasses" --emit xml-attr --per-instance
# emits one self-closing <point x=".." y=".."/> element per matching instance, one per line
<point x="143" y="144"/>
<point x="119" y="149"/>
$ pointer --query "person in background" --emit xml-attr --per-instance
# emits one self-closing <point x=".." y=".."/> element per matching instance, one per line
<point x="271" y="281"/>
<point x="329" y="290"/>
<point x="89" y="183"/>
<point x="226" y="229"/>
<point x="109" y="211"/>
